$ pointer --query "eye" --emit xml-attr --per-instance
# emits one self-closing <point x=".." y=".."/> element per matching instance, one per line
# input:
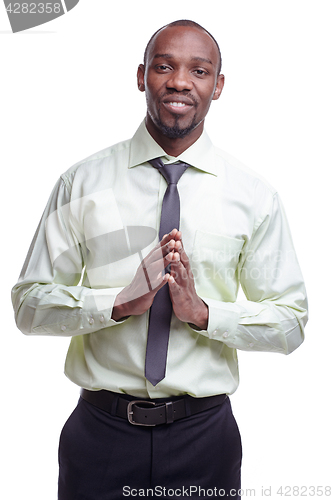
<point x="162" y="67"/>
<point x="200" y="72"/>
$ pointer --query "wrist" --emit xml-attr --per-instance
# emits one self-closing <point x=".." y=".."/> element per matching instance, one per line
<point x="201" y="319"/>
<point x="119" y="310"/>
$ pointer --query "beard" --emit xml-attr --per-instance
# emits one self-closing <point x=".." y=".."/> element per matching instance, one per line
<point x="176" y="132"/>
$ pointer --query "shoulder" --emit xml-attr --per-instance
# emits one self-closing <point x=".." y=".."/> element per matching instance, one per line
<point x="107" y="157"/>
<point x="240" y="172"/>
<point x="244" y="186"/>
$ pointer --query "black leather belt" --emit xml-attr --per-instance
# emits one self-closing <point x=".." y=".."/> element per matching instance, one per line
<point x="149" y="412"/>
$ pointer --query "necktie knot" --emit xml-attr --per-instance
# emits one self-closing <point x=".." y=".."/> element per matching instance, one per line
<point x="171" y="172"/>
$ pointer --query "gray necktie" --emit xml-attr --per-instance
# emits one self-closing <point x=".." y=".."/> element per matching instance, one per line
<point x="161" y="309"/>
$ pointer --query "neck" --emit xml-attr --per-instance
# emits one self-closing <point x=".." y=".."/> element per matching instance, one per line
<point x="173" y="147"/>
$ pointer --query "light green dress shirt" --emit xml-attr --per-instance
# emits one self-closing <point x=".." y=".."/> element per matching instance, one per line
<point x="234" y="232"/>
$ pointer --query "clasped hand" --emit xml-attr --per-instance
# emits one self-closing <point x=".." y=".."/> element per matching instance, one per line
<point x="139" y="295"/>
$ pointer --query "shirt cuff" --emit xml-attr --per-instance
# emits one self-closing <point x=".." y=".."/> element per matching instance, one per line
<point x="104" y="300"/>
<point x="223" y="319"/>
<point x="94" y="316"/>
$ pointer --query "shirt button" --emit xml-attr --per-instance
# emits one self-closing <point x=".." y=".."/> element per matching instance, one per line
<point x="251" y="345"/>
<point x="214" y="333"/>
<point x="63" y="328"/>
<point x="91" y="321"/>
<point x="226" y="334"/>
<point x="101" y="318"/>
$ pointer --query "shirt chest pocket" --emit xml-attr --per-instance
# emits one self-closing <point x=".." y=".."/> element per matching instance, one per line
<point x="214" y="264"/>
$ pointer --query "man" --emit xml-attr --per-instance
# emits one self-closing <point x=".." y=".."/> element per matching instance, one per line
<point x="154" y="416"/>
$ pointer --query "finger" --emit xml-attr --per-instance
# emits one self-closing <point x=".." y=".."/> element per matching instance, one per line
<point x="170" y="258"/>
<point x="178" y="272"/>
<point x="154" y="270"/>
<point x="162" y="280"/>
<point x="173" y="272"/>
<point x="178" y="236"/>
<point x="178" y="245"/>
<point x="166" y="239"/>
<point x="156" y="251"/>
<point x="184" y="258"/>
<point x="169" y="242"/>
<point x="175" y="256"/>
<point x="160" y="252"/>
<point x="174" y="288"/>
<point x="169" y="236"/>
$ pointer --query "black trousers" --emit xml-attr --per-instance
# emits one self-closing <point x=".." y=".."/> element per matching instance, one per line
<point x="104" y="457"/>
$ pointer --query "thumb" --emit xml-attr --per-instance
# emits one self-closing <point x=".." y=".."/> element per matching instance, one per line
<point x="162" y="281"/>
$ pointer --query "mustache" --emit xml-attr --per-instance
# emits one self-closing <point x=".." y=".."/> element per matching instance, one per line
<point x="188" y="95"/>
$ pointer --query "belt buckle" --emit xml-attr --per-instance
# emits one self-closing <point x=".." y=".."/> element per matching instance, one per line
<point x="130" y="411"/>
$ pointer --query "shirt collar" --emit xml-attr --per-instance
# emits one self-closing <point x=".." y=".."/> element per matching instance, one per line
<point x="144" y="148"/>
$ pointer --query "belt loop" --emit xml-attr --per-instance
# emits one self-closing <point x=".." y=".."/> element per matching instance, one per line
<point x="188" y="409"/>
<point x="169" y="412"/>
<point x="114" y="404"/>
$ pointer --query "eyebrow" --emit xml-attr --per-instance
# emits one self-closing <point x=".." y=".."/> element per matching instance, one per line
<point x="202" y="59"/>
<point x="194" y="58"/>
<point x="167" y="56"/>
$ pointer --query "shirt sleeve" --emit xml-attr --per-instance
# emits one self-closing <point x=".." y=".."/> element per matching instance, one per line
<point x="48" y="298"/>
<point x="274" y="316"/>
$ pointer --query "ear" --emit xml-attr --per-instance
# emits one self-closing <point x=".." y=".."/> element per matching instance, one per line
<point x="219" y="87"/>
<point x="141" y="78"/>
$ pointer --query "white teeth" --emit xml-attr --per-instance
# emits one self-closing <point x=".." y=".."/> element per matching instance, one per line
<point x="177" y="104"/>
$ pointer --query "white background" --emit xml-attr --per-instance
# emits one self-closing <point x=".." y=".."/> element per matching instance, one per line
<point x="68" y="89"/>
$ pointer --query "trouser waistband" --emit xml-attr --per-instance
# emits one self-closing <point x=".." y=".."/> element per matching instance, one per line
<point x="150" y="412"/>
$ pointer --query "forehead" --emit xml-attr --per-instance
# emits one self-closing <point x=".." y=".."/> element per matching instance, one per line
<point x="183" y="42"/>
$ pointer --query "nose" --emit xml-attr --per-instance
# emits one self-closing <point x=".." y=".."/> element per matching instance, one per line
<point x="180" y="80"/>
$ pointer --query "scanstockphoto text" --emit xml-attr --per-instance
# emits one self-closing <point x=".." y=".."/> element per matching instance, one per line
<point x="181" y="492"/>
<point x="34" y="8"/>
<point x="199" y="492"/>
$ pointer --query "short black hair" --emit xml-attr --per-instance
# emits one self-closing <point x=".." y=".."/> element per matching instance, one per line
<point x="184" y="22"/>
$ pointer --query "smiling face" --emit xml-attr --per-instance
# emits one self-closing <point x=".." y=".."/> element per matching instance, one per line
<point x="180" y="80"/>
